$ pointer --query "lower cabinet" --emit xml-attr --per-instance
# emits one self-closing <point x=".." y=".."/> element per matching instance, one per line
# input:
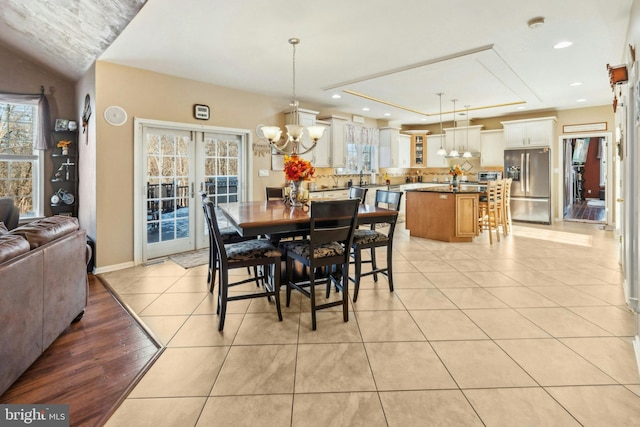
<point x="466" y="215"/>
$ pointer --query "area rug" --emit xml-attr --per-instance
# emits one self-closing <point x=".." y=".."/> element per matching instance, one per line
<point x="595" y="203"/>
<point x="192" y="258"/>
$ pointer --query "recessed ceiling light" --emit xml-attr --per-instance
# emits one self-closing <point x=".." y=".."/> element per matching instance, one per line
<point x="536" y="22"/>
<point x="521" y="107"/>
<point x="366" y="109"/>
<point x="423" y="120"/>
<point x="336" y="96"/>
<point x="562" y="45"/>
<point x="387" y="114"/>
<point x="575" y="84"/>
<point x="581" y="100"/>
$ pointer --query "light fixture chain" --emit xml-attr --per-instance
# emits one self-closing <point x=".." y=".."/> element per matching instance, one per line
<point x="295" y="101"/>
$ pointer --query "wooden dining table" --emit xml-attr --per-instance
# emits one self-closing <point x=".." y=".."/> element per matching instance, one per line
<point x="274" y="216"/>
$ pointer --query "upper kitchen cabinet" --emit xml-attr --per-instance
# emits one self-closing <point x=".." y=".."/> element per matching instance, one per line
<point x="435" y="160"/>
<point x="464" y="138"/>
<point x="336" y="140"/>
<point x="395" y="149"/>
<point x="304" y="118"/>
<point x="321" y="155"/>
<point x="492" y="147"/>
<point x="418" y="148"/>
<point x="529" y="133"/>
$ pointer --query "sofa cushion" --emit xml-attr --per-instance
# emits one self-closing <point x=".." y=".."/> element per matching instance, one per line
<point x="11" y="246"/>
<point x="43" y="231"/>
<point x="3" y="228"/>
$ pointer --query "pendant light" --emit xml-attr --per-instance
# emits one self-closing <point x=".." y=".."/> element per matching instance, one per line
<point x="441" y="151"/>
<point x="454" y="152"/>
<point x="467" y="153"/>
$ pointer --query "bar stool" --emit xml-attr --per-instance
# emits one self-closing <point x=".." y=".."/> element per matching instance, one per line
<point x="506" y="206"/>
<point x="490" y="209"/>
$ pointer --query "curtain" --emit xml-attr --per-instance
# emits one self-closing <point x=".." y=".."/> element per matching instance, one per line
<point x="359" y="135"/>
<point x="43" y="141"/>
<point x="568" y="176"/>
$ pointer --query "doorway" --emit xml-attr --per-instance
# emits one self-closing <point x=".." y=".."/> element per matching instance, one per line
<point x="585" y="178"/>
<point x="173" y="162"/>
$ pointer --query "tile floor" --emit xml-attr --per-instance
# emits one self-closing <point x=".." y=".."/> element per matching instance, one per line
<point x="532" y="330"/>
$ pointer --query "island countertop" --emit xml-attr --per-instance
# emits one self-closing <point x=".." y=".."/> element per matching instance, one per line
<point x="462" y="189"/>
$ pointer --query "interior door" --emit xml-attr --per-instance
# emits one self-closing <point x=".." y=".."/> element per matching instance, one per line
<point x="169" y="173"/>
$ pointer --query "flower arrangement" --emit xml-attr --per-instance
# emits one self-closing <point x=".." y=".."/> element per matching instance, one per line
<point x="455" y="171"/>
<point x="298" y="169"/>
<point x="63" y="143"/>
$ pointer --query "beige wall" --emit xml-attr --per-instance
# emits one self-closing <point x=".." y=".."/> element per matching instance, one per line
<point x="21" y="75"/>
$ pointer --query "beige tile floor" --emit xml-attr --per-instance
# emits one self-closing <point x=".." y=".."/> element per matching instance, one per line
<point x="532" y="330"/>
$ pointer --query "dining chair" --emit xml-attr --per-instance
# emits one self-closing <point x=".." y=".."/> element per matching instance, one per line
<point x="9" y="213"/>
<point x="506" y="206"/>
<point x="229" y="235"/>
<point x="249" y="253"/>
<point x="358" y="193"/>
<point x="370" y="239"/>
<point x="274" y="193"/>
<point x="490" y="208"/>
<point x="332" y="223"/>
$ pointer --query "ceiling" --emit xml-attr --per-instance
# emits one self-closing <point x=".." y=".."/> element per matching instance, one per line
<point x="398" y="58"/>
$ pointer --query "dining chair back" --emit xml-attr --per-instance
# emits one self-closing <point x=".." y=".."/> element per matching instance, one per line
<point x="274" y="193"/>
<point x="370" y="239"/>
<point x="490" y="209"/>
<point x="358" y="193"/>
<point x="9" y="213"/>
<point x="332" y="223"/>
<point x="506" y="206"/>
<point x="249" y="253"/>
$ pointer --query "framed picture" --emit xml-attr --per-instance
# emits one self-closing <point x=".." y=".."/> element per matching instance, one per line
<point x="62" y="124"/>
<point x="201" y="112"/>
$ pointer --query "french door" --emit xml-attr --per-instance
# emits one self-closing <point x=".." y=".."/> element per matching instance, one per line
<point x="173" y="162"/>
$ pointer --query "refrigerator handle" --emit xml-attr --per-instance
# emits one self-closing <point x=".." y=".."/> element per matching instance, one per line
<point x="528" y="172"/>
<point x="522" y="172"/>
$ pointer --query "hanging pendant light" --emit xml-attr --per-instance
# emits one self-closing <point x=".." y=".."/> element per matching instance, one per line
<point x="441" y="151"/>
<point x="293" y="143"/>
<point x="467" y="153"/>
<point x="454" y="152"/>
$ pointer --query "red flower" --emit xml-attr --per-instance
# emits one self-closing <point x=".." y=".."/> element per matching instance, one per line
<point x="296" y="168"/>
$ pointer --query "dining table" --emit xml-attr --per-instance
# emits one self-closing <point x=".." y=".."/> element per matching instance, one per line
<point x="275" y="216"/>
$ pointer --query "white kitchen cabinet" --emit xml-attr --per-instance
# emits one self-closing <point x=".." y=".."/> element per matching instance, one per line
<point x="337" y="140"/>
<point x="321" y="155"/>
<point x="457" y="137"/>
<point x="403" y="153"/>
<point x="304" y="118"/>
<point x="435" y="160"/>
<point x="492" y="148"/>
<point x="529" y="133"/>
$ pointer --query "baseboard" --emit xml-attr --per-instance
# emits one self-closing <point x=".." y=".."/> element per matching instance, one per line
<point x="115" y="267"/>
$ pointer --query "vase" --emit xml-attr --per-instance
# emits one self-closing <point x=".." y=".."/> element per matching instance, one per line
<point x="294" y="194"/>
<point x="454" y="182"/>
<point x="65" y="151"/>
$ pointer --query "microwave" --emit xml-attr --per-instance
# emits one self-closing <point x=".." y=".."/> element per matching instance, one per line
<point x="484" y="176"/>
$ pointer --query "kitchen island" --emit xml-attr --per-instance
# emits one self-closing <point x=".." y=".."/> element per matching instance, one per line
<point x="441" y="213"/>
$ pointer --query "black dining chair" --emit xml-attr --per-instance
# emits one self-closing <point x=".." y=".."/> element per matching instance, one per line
<point x="229" y="235"/>
<point x="370" y="239"/>
<point x="274" y="193"/>
<point x="327" y="249"/>
<point x="249" y="253"/>
<point x="358" y="193"/>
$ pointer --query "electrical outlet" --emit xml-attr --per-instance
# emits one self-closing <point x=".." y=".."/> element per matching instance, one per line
<point x="263" y="172"/>
<point x="588" y="191"/>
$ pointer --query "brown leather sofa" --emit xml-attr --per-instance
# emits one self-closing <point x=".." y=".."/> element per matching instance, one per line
<point x="43" y="289"/>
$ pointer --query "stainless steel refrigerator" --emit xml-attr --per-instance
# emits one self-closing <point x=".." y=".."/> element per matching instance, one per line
<point x="530" y="170"/>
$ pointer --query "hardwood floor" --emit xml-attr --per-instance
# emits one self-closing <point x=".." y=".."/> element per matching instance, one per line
<point x="92" y="365"/>
<point x="583" y="212"/>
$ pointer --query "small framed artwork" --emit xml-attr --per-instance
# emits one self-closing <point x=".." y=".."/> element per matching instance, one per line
<point x="62" y="124"/>
<point x="201" y="112"/>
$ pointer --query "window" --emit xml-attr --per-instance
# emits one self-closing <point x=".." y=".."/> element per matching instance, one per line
<point x="20" y="165"/>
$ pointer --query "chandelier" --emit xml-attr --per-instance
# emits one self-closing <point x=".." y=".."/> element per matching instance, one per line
<point x="467" y="153"/>
<point x="293" y="144"/>
<point x="454" y="152"/>
<point x="441" y="151"/>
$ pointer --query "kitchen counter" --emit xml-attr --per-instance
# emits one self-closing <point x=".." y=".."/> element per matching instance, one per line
<point x="440" y="213"/>
<point x="462" y="189"/>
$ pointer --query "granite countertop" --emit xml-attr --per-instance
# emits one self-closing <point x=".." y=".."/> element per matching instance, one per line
<point x="319" y="189"/>
<point x="463" y="189"/>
